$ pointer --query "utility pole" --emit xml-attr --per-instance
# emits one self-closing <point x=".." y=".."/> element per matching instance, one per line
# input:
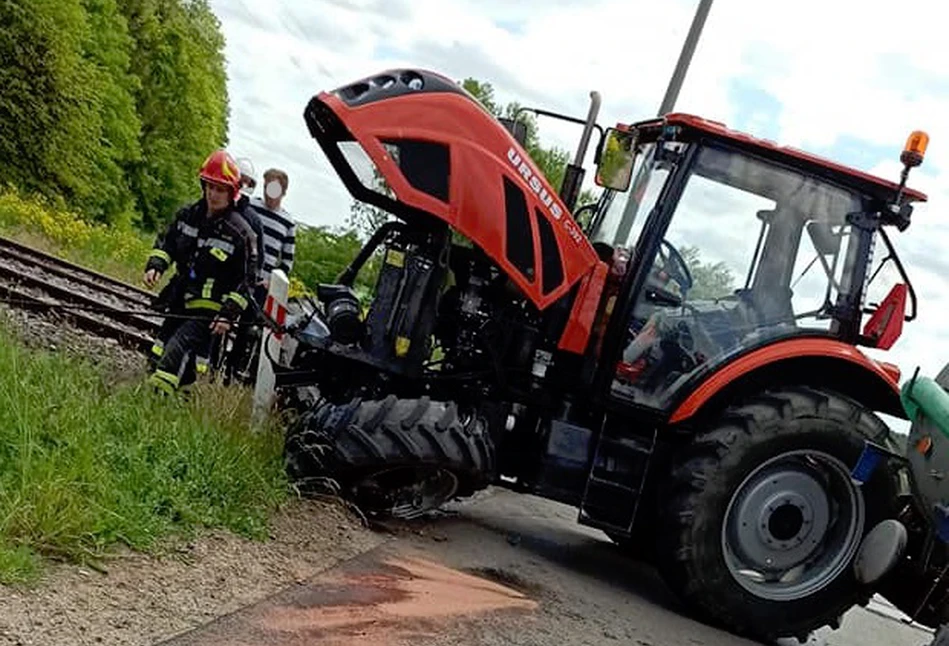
<point x="685" y="57"/>
<point x="638" y="187"/>
<point x="573" y="174"/>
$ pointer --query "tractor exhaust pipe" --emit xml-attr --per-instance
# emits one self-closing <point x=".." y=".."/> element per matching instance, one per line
<point x="573" y="174"/>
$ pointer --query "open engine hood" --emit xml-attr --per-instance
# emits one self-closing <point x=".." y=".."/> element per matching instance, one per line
<point x="438" y="153"/>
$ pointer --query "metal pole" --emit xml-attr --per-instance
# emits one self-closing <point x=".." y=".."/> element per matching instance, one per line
<point x="588" y="128"/>
<point x="638" y="188"/>
<point x="573" y="173"/>
<point x="685" y="57"/>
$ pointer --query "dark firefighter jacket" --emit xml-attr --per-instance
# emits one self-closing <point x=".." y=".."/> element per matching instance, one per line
<point x="250" y="214"/>
<point x="216" y="260"/>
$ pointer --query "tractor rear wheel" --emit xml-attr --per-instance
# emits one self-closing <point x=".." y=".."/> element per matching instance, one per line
<point x="394" y="457"/>
<point x="941" y="638"/>
<point x="762" y="520"/>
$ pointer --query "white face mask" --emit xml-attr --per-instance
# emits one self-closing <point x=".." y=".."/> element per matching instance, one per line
<point x="273" y="190"/>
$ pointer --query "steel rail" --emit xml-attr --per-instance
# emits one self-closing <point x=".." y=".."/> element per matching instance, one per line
<point x="71" y="271"/>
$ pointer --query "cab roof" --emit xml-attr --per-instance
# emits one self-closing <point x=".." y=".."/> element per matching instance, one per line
<point x="834" y="171"/>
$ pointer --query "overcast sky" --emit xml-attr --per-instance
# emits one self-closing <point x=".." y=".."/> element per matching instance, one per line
<point x="848" y="79"/>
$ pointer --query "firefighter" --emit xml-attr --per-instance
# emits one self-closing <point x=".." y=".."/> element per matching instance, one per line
<point x="214" y="251"/>
<point x="249" y="317"/>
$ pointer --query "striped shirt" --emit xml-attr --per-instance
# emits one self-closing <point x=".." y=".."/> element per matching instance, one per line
<point x="279" y="238"/>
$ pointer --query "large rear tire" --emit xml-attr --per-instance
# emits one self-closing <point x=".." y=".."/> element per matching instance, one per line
<point x="941" y="638"/>
<point x="394" y="457"/>
<point x="762" y="521"/>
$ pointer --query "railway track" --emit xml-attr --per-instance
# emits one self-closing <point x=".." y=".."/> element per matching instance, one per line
<point x="106" y="307"/>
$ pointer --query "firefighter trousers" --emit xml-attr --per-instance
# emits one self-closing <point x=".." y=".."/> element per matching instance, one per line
<point x="180" y="352"/>
<point x="248" y="332"/>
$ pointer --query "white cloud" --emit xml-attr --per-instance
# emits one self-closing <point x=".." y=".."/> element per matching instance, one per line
<point x="869" y="71"/>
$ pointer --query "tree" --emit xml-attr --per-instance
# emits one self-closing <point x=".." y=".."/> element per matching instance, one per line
<point x="49" y="121"/>
<point x="182" y="99"/>
<point x="109" y="48"/>
<point x="710" y="280"/>
<point x="110" y="105"/>
<point x="364" y="218"/>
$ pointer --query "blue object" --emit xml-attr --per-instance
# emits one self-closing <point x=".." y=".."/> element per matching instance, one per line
<point x="942" y="527"/>
<point x="867" y="464"/>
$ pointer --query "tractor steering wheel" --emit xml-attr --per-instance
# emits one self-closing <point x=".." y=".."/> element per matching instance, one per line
<point x="668" y="266"/>
<point x="674" y="264"/>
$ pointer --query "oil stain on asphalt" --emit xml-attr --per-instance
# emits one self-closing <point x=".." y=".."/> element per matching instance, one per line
<point x="379" y="599"/>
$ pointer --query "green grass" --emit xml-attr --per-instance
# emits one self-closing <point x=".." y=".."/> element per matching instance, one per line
<point x="85" y="467"/>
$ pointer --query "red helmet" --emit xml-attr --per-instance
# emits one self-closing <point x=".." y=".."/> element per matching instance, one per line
<point x="221" y="168"/>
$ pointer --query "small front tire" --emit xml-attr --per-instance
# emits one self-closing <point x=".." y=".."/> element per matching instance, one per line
<point x="392" y="457"/>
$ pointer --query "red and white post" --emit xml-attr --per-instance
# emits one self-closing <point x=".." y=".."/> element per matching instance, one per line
<point x="271" y="344"/>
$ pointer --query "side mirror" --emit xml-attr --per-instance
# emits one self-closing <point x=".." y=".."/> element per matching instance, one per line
<point x="885" y="326"/>
<point x="615" y="168"/>
<point x="516" y="128"/>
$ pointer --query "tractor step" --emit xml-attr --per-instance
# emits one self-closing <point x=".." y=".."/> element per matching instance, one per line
<point x="615" y="480"/>
<point x="613" y="487"/>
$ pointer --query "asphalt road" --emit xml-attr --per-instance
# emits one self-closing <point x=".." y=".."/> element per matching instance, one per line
<point x="501" y="569"/>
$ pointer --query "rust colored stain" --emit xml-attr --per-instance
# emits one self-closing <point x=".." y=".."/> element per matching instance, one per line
<point x="380" y="600"/>
<point x="407" y="601"/>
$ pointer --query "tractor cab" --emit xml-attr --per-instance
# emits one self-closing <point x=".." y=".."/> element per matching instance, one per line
<point x="728" y="244"/>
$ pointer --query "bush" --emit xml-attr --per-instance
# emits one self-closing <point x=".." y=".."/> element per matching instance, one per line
<point x="321" y="254"/>
<point x="36" y="220"/>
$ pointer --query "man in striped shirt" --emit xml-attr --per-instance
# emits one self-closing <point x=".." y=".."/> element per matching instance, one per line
<point x="279" y="239"/>
<point x="279" y="227"/>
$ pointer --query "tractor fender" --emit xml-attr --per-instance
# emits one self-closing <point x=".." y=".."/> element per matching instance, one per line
<point x="815" y="362"/>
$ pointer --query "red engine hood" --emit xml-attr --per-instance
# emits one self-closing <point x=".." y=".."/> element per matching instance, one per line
<point x="460" y="165"/>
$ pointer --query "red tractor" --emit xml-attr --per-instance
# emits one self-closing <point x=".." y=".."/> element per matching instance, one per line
<point x="684" y="368"/>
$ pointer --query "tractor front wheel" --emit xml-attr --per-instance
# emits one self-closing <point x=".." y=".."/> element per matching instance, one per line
<point x="763" y="521"/>
<point x="396" y="458"/>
